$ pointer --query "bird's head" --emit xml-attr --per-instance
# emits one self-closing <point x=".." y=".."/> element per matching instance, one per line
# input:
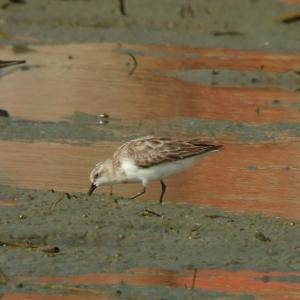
<point x="99" y="176"/>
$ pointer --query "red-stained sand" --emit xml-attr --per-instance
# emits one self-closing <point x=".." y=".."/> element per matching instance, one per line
<point x="239" y="282"/>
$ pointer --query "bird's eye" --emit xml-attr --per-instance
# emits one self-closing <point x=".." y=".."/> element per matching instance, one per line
<point x="96" y="175"/>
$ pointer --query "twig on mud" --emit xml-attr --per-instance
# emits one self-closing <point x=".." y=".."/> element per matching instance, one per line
<point x="194" y="278"/>
<point x="216" y="217"/>
<point x="260" y="236"/>
<point x="67" y="288"/>
<point x="289" y="18"/>
<point x="68" y="195"/>
<point x="3" y="278"/>
<point x="227" y="33"/>
<point x="59" y="198"/>
<point x="187" y="10"/>
<point x="147" y="212"/>
<point x="43" y="248"/>
<point x="122" y="7"/>
<point x="8" y="63"/>
<point x="135" y="64"/>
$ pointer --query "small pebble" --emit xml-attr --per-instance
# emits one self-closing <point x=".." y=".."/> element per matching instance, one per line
<point x="104" y="121"/>
<point x="22" y="217"/>
<point x="122" y="237"/>
<point x="50" y="249"/>
<point x="21" y="48"/>
<point x="104" y="115"/>
<point x="25" y="68"/>
<point x="30" y="197"/>
<point x="276" y="101"/>
<point x="265" y="278"/>
<point x="260" y="236"/>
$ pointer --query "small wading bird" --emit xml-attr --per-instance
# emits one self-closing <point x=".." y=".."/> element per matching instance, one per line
<point x="148" y="159"/>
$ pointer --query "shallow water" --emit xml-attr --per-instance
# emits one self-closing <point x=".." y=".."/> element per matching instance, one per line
<point x="252" y="178"/>
<point x="96" y="78"/>
<point x="258" y="171"/>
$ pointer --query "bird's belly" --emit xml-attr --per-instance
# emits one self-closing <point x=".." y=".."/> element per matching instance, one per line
<point x="160" y="171"/>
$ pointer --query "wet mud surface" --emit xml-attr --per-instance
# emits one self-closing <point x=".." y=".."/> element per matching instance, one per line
<point x="98" y="73"/>
<point x="103" y="234"/>
<point x="91" y="131"/>
<point x="176" y="22"/>
<point x="121" y="233"/>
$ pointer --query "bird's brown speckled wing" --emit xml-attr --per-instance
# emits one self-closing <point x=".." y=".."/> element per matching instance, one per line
<point x="150" y="151"/>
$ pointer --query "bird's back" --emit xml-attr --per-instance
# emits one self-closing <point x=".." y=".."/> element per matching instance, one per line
<point x="148" y="151"/>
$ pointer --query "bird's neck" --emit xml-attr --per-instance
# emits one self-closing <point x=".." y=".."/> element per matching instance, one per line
<point x="115" y="171"/>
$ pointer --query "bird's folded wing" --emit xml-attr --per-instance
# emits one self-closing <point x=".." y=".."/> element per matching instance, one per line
<point x="153" y="151"/>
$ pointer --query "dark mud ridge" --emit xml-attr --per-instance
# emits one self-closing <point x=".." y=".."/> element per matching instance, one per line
<point x="85" y="129"/>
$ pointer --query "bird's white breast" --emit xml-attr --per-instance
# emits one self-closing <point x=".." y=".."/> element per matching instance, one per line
<point x="156" y="172"/>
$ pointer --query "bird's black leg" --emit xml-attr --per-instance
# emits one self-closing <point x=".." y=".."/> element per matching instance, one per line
<point x="140" y="193"/>
<point x="163" y="189"/>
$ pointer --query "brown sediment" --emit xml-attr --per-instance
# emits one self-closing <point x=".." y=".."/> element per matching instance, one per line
<point x="8" y="203"/>
<point x="43" y="248"/>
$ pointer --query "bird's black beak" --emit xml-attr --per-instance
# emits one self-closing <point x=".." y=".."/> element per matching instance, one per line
<point x="92" y="188"/>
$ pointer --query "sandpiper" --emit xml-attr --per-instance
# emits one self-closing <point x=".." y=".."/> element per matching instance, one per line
<point x="148" y="159"/>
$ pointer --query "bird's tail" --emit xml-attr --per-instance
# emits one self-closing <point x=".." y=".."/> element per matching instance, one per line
<point x="208" y="145"/>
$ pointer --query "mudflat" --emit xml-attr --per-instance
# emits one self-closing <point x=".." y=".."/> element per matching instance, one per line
<point x="99" y="73"/>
